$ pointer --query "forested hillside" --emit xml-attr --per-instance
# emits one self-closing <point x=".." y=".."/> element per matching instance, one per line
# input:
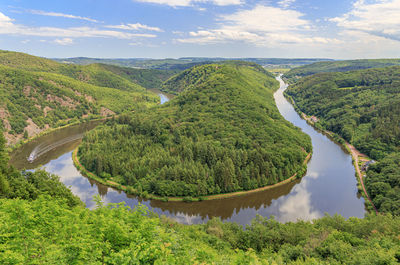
<point x="41" y="222"/>
<point x="36" y="94"/>
<point x="364" y="108"/>
<point x="223" y="134"/>
<point x="337" y="66"/>
<point x="123" y="78"/>
<point x="148" y="78"/>
<point x="191" y="78"/>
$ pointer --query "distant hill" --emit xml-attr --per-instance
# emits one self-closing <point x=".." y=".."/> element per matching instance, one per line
<point x="262" y="61"/>
<point x="37" y="93"/>
<point x="196" y="75"/>
<point x="27" y="62"/>
<point x="96" y="74"/>
<point x="148" y="78"/>
<point x="185" y="62"/>
<point x="338" y="66"/>
<point x="158" y="64"/>
<point x="222" y="133"/>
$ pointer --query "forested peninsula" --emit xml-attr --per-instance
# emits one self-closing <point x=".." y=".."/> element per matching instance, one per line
<point x="363" y="107"/>
<point x="222" y="133"/>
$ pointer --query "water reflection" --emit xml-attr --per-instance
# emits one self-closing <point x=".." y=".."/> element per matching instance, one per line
<point x="164" y="97"/>
<point x="231" y="209"/>
<point x="50" y="146"/>
<point x="328" y="187"/>
<point x="298" y="205"/>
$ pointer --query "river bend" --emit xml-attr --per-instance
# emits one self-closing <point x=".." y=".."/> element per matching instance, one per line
<point x="329" y="186"/>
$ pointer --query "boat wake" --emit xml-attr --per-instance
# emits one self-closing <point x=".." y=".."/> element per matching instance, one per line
<point x="43" y="148"/>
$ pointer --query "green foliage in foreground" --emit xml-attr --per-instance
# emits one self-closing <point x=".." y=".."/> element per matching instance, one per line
<point x="47" y="231"/>
<point x="364" y="108"/>
<point x="45" y="224"/>
<point x="337" y="66"/>
<point x="223" y="134"/>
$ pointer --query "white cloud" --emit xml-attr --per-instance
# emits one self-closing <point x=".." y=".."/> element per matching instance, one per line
<point x="380" y="18"/>
<point x="176" y="3"/>
<point x="8" y="27"/>
<point x="4" y="19"/>
<point x="227" y="2"/>
<point x="136" y="26"/>
<point x="262" y="26"/>
<point x="298" y="205"/>
<point x="267" y="19"/>
<point x="55" y="14"/>
<point x="286" y="3"/>
<point x="177" y="32"/>
<point x="135" y="43"/>
<point x="64" y="41"/>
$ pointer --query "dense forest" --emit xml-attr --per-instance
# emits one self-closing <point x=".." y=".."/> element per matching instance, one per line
<point x="103" y="75"/>
<point x="222" y="134"/>
<point x="337" y="66"/>
<point x="147" y="78"/>
<point x="41" y="222"/>
<point x="364" y="108"/>
<point x="37" y="93"/>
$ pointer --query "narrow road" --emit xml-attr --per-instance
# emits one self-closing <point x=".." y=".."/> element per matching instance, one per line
<point x="355" y="153"/>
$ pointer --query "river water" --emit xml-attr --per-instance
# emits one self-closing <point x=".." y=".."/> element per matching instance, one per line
<point x="329" y="185"/>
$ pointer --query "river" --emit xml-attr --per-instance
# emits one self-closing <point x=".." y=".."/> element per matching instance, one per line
<point x="329" y="186"/>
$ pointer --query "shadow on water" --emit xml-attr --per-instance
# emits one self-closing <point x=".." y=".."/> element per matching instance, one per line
<point x="328" y="187"/>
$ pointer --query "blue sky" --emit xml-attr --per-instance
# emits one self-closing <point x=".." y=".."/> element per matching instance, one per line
<point x="338" y="29"/>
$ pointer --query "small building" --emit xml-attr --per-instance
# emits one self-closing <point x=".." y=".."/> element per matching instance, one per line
<point x="367" y="164"/>
<point x="314" y="119"/>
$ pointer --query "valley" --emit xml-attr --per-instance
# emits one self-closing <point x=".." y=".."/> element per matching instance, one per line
<point x="230" y="107"/>
<point x="200" y="132"/>
<point x="306" y="198"/>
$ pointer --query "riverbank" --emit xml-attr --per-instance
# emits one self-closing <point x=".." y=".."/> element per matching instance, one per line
<point x="145" y="195"/>
<point x="356" y="155"/>
<point x="51" y="130"/>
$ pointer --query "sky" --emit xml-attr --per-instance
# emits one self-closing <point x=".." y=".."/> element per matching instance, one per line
<point x="338" y="29"/>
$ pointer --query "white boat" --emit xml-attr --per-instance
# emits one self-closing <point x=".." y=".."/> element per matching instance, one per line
<point x="31" y="157"/>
